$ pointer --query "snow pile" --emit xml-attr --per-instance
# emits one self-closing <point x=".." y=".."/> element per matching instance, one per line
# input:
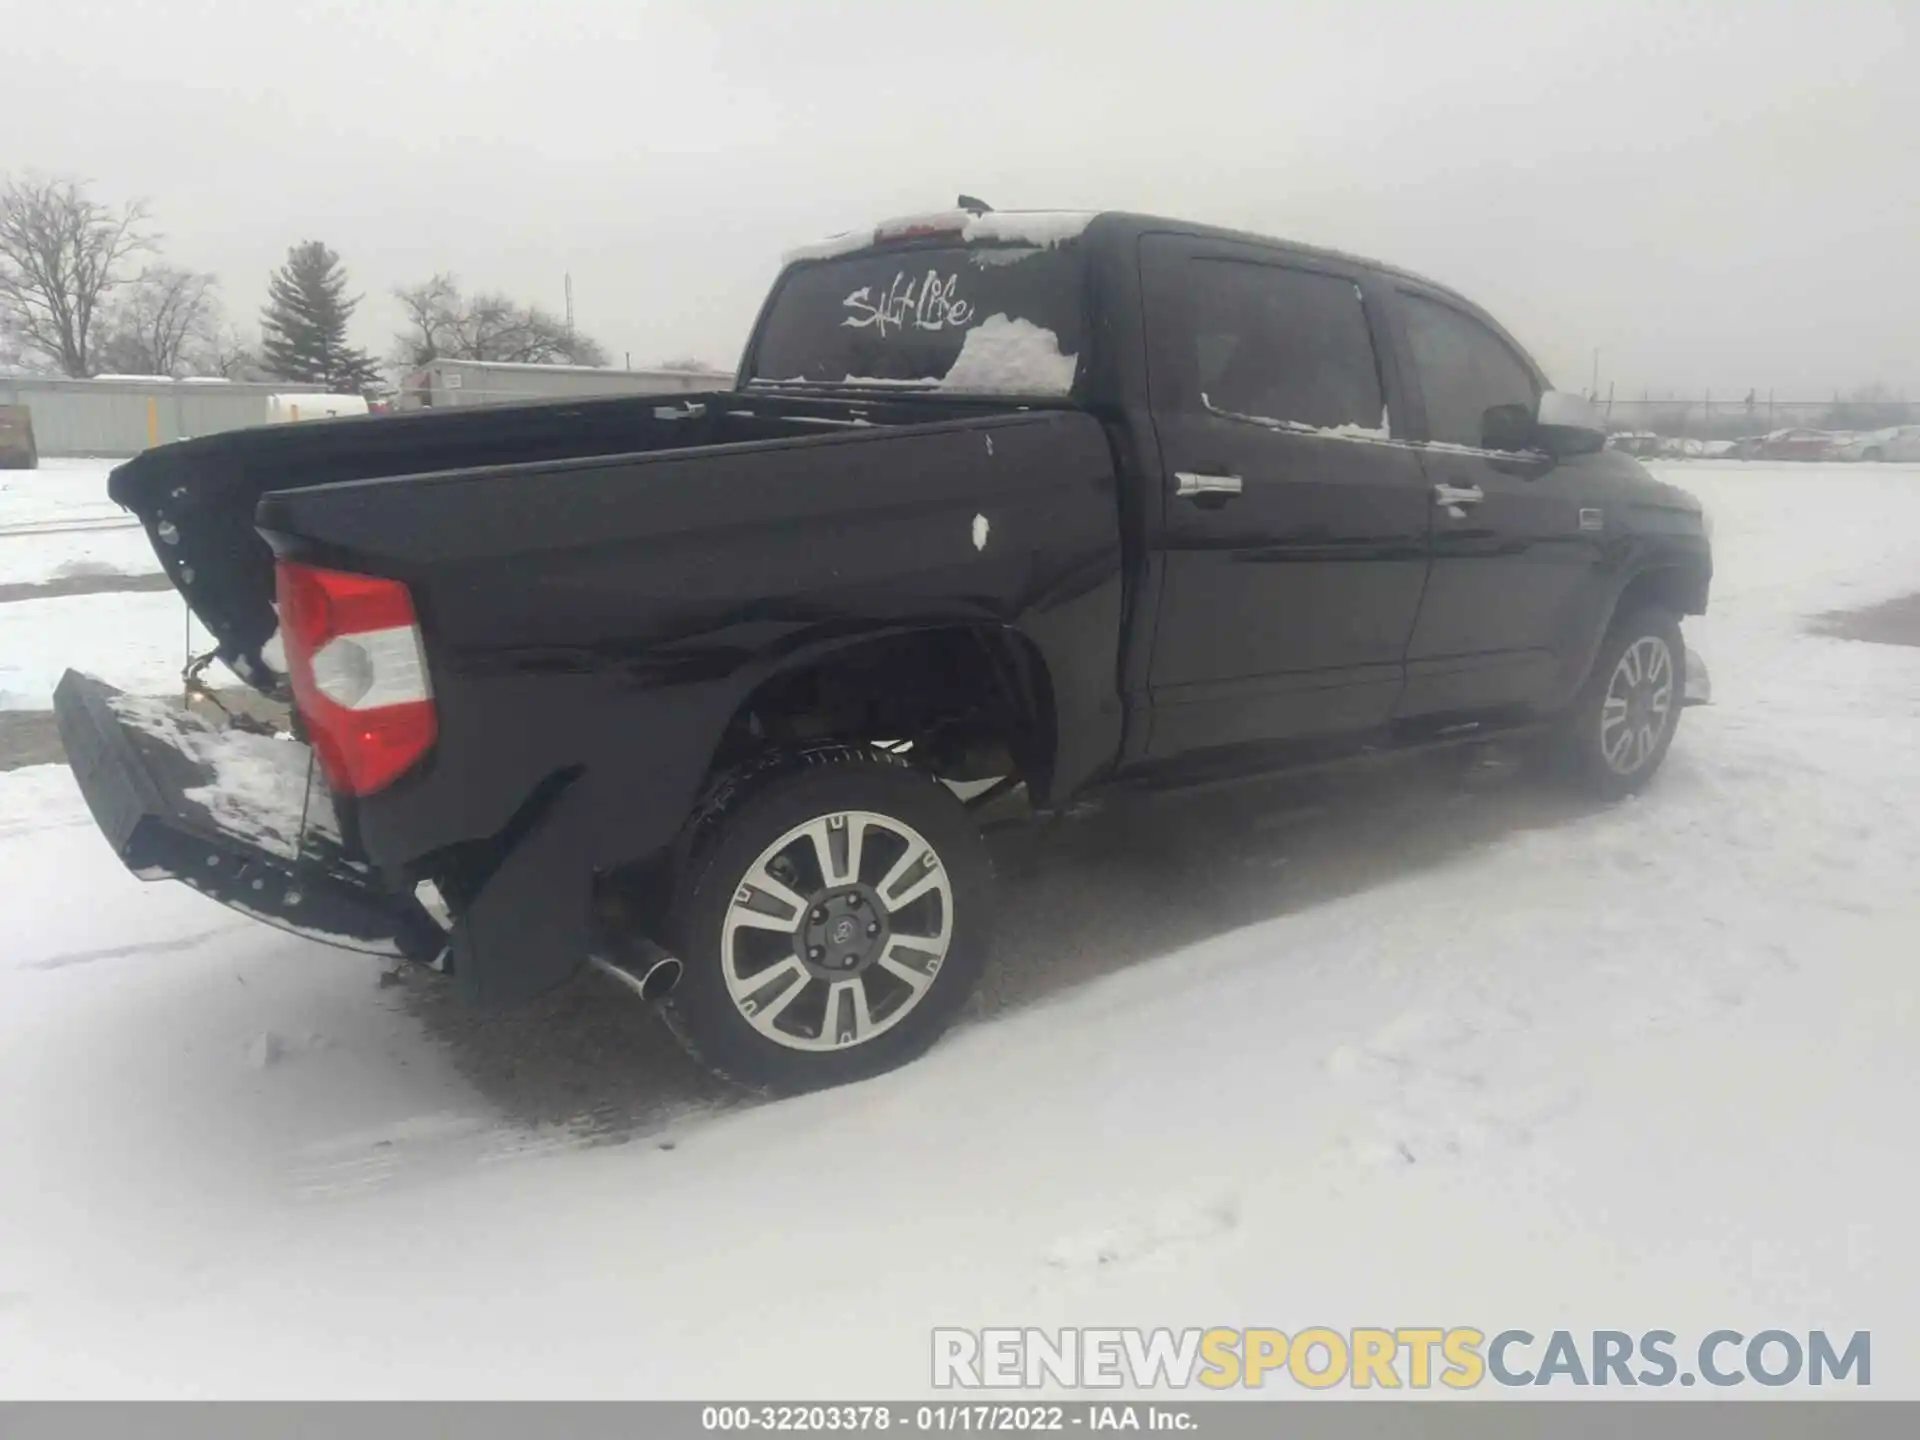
<point x="1003" y="356"/>
<point x="262" y="788"/>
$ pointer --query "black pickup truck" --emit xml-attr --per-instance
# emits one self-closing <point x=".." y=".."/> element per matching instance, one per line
<point x="689" y="688"/>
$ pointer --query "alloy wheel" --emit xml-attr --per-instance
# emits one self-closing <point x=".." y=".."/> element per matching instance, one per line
<point x="837" y="931"/>
<point x="1638" y="706"/>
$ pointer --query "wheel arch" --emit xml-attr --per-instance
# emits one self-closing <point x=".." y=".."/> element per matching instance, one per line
<point x="1675" y="583"/>
<point x="938" y="686"/>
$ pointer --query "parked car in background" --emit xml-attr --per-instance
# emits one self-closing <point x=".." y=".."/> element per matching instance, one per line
<point x="1896" y="442"/>
<point x="1686" y="447"/>
<point x="1799" y="443"/>
<point x="1639" y="443"/>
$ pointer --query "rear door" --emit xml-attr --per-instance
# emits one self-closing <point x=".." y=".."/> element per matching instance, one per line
<point x="1295" y="532"/>
<point x="1515" y="553"/>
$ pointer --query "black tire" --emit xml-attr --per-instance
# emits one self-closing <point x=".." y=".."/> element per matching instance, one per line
<point x="751" y="811"/>
<point x="1586" y="738"/>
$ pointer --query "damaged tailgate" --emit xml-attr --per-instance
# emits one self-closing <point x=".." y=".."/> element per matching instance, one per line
<point x="236" y="815"/>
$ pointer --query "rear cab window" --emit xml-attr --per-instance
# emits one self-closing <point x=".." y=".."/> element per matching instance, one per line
<point x="1281" y="346"/>
<point x="1260" y="337"/>
<point x="991" y="304"/>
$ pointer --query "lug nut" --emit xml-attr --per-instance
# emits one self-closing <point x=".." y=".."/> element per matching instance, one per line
<point x="819" y="914"/>
<point x="873" y="929"/>
<point x="814" y="952"/>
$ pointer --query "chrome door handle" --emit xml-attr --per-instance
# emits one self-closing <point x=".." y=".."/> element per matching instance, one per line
<point x="1444" y="494"/>
<point x="1187" y="482"/>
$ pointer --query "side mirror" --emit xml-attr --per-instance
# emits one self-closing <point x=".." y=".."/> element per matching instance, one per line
<point x="1566" y="424"/>
<point x="1509" y="427"/>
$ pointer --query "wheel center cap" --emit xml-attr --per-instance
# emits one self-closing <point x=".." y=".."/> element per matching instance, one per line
<point x="844" y="931"/>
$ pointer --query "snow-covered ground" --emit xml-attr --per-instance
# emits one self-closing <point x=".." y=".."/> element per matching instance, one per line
<point x="1482" y="1061"/>
<point x="56" y="523"/>
<point x="58" y="552"/>
<point x="70" y="491"/>
<point x="136" y="640"/>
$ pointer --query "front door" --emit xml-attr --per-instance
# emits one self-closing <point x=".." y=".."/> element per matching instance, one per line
<point x="1294" y="544"/>
<point x="1516" y="552"/>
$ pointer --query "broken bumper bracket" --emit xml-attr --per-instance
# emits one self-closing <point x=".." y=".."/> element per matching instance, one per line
<point x="151" y="775"/>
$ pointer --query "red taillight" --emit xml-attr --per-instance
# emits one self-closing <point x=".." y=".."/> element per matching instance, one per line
<point x="359" y="673"/>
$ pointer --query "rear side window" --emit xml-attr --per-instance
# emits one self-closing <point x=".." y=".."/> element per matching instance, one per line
<point x="1281" y="345"/>
<point x="1475" y="387"/>
<point x="994" y="319"/>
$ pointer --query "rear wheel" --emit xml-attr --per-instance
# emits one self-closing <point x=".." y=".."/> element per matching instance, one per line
<point x="832" y="919"/>
<point x="1624" y="719"/>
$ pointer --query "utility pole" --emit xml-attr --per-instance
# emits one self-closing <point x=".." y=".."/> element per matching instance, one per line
<point x="569" y="307"/>
<point x="1594" y="393"/>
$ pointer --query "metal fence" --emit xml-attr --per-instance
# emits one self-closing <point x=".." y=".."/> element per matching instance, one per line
<point x="1707" y="417"/>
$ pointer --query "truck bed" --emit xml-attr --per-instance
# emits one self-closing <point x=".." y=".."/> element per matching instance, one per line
<point x="198" y="498"/>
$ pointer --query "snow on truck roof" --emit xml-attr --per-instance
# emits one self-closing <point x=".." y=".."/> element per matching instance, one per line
<point x="1015" y="227"/>
<point x="1055" y="227"/>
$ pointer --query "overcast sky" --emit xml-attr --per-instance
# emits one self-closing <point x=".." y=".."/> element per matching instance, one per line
<point x="1716" y="194"/>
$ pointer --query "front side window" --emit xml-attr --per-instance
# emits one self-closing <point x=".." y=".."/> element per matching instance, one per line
<point x="1281" y="346"/>
<point x="1478" y="392"/>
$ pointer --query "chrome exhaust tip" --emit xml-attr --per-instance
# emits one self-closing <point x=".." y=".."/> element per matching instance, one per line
<point x="651" y="981"/>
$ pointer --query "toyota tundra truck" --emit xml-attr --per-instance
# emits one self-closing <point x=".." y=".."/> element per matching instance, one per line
<point x="998" y="505"/>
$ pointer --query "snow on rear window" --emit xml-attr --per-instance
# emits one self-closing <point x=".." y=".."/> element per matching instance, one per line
<point x="1003" y="356"/>
<point x="1004" y="319"/>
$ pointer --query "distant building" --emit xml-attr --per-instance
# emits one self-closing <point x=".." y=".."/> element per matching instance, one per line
<point x="116" y="415"/>
<point x="447" y="383"/>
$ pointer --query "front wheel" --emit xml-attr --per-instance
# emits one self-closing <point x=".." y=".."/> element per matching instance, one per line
<point x="832" y="919"/>
<point x="1624" y="719"/>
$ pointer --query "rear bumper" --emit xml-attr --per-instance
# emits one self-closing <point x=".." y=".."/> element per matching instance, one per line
<point x="239" y="817"/>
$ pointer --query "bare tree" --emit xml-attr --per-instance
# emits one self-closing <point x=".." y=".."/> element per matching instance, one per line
<point x="164" y="323"/>
<point x="445" y="323"/>
<point x="62" y="254"/>
<point x="14" y="356"/>
<point x="232" y="356"/>
<point x="698" y="367"/>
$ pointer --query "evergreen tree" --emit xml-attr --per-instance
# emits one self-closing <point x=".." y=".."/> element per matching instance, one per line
<point x="304" y="324"/>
